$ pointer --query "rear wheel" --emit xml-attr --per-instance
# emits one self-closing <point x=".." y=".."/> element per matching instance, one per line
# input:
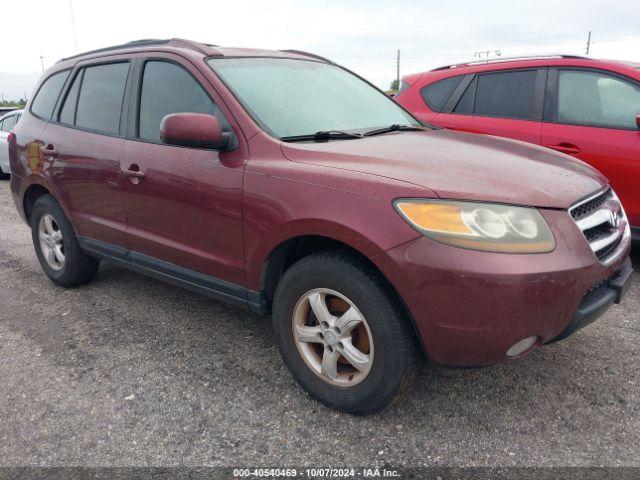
<point x="342" y="333"/>
<point x="3" y="174"/>
<point x="57" y="247"/>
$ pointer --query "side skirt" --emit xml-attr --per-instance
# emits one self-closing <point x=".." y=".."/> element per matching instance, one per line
<point x="176" y="275"/>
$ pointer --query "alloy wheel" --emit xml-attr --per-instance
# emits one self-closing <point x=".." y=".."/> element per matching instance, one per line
<point x="333" y="337"/>
<point x="51" y="242"/>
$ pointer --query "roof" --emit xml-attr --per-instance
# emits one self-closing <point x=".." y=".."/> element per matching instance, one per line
<point x="533" y="61"/>
<point x="205" y="49"/>
<point x="487" y="61"/>
<point x="6" y="113"/>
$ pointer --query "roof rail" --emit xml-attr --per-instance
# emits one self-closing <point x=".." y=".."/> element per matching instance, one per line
<point x="177" y="42"/>
<point x="307" y="54"/>
<point x="505" y="59"/>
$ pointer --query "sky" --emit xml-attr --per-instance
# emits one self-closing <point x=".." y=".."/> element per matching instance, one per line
<point x="361" y="35"/>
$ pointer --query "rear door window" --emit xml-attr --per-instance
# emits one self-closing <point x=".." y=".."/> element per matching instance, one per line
<point x="437" y="94"/>
<point x="68" y="112"/>
<point x="169" y="88"/>
<point x="47" y="96"/>
<point x="597" y="99"/>
<point x="502" y="94"/>
<point x="466" y="102"/>
<point x="101" y="97"/>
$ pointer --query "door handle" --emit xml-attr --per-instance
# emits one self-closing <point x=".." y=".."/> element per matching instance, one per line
<point x="134" y="173"/>
<point x="49" y="151"/>
<point x="567" y="148"/>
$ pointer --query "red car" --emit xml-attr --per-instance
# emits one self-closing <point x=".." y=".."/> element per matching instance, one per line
<point x="586" y="108"/>
<point x="284" y="183"/>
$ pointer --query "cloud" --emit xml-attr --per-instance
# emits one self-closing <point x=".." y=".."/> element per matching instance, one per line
<point x="362" y="35"/>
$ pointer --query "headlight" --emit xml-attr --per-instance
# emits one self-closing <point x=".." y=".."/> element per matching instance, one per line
<point x="479" y="226"/>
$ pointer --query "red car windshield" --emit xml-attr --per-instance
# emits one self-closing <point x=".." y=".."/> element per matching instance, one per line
<point x="290" y="97"/>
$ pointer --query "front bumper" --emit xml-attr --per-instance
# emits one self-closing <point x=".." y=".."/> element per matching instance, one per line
<point x="470" y="307"/>
<point x="598" y="300"/>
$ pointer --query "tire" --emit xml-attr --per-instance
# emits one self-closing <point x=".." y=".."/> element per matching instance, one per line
<point x="77" y="267"/>
<point x="3" y="175"/>
<point x="389" y="356"/>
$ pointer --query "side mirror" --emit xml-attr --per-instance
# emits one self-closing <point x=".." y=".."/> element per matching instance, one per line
<point x="638" y="120"/>
<point x="196" y="130"/>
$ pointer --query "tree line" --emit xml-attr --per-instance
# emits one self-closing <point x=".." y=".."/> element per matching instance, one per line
<point x="13" y="103"/>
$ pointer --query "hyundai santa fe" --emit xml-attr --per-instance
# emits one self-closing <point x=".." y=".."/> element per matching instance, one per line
<point x="281" y="182"/>
<point x="583" y="107"/>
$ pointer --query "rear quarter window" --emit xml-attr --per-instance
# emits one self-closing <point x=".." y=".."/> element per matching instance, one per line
<point x="47" y="96"/>
<point x="436" y="94"/>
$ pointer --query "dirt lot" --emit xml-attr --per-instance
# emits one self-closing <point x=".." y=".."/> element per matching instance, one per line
<point x="130" y="371"/>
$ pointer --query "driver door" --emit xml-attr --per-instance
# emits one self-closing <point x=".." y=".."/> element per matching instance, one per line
<point x="182" y="205"/>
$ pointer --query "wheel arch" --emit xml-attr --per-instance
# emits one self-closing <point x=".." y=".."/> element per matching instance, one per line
<point x="289" y="251"/>
<point x="32" y="189"/>
<point x="31" y="195"/>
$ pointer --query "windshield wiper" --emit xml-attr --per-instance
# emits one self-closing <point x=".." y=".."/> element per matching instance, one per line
<point x="395" y="128"/>
<point x="323" y="135"/>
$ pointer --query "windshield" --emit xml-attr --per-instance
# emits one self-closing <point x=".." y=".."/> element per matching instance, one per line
<point x="299" y="97"/>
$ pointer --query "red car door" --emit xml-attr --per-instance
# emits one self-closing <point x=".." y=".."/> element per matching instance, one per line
<point x="78" y="151"/>
<point x="183" y="205"/>
<point x="503" y="103"/>
<point x="591" y="115"/>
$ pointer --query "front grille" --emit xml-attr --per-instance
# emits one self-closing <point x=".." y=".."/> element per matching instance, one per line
<point x="597" y="233"/>
<point x="602" y="220"/>
<point x="582" y="210"/>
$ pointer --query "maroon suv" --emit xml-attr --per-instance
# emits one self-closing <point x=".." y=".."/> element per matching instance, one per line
<point x="282" y="182"/>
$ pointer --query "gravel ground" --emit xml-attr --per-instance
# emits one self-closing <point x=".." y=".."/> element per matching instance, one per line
<point x="128" y="371"/>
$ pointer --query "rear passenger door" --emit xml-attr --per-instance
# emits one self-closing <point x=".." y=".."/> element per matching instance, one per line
<point x="82" y="142"/>
<point x="30" y="159"/>
<point x="185" y="213"/>
<point x="503" y="103"/>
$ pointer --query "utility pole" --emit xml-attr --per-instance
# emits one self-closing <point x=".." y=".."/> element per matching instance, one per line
<point x="398" y="70"/>
<point x="588" y="43"/>
<point x="42" y="63"/>
<point x="73" y="27"/>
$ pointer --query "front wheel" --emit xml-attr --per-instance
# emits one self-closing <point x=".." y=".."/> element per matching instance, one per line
<point x="342" y="333"/>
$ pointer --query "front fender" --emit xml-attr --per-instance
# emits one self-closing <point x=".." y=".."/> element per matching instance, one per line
<point x="257" y="256"/>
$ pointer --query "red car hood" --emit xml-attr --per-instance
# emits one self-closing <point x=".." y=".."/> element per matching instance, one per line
<point x="461" y="166"/>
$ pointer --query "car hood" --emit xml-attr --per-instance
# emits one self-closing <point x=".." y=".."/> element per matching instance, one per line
<point x="461" y="166"/>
